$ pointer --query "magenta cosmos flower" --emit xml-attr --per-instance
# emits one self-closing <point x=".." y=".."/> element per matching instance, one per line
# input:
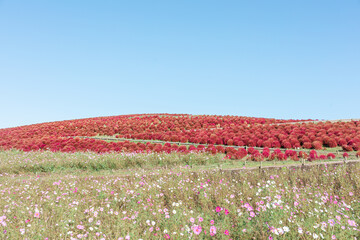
<point x="197" y="230"/>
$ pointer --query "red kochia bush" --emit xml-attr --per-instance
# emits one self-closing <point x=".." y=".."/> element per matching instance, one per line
<point x="251" y="150"/>
<point x="356" y="147"/>
<point x="331" y="143"/>
<point x="220" y="149"/>
<point x="313" y="155"/>
<point x="230" y="150"/>
<point x="317" y="145"/>
<point x="331" y="156"/>
<point x="200" y="147"/>
<point x="307" y="145"/>
<point x="303" y="155"/>
<point x="347" y="148"/>
<point x="286" y="144"/>
<point x="290" y="153"/>
<point x="192" y="148"/>
<point x="241" y="153"/>
<point x="230" y="142"/>
<point x="266" y="152"/>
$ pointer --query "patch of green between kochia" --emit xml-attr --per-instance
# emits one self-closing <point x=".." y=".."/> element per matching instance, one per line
<point x="16" y="162"/>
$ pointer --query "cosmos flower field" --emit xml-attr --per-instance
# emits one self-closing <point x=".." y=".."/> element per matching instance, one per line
<point x="317" y="203"/>
<point x="53" y="187"/>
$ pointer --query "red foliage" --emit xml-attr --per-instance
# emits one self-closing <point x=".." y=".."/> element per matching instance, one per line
<point x="230" y="150"/>
<point x="347" y="148"/>
<point x="241" y="153"/>
<point x="220" y="149"/>
<point x="307" y="145"/>
<point x="192" y="148"/>
<point x="229" y="142"/>
<point x="232" y="130"/>
<point x="317" y="145"/>
<point x="251" y="150"/>
<point x="313" y="155"/>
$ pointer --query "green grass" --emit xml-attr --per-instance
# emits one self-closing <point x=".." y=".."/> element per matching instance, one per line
<point x="17" y="162"/>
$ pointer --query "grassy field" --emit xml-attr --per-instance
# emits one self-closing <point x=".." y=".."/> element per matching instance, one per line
<point x="16" y="162"/>
<point x="45" y="195"/>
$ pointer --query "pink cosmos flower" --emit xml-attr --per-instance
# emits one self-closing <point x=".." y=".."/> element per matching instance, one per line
<point x="197" y="230"/>
<point x="80" y="227"/>
<point x="226" y="232"/>
<point x="218" y="209"/>
<point x="2" y="221"/>
<point x="212" y="230"/>
<point x="201" y="219"/>
<point x="352" y="223"/>
<point x="226" y="212"/>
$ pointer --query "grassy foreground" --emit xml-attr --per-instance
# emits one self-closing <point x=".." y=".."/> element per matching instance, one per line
<point x="46" y="195"/>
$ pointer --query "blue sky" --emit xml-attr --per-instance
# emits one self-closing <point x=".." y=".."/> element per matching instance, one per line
<point x="63" y="60"/>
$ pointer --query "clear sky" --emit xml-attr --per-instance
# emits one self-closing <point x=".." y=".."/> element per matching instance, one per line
<point x="69" y="59"/>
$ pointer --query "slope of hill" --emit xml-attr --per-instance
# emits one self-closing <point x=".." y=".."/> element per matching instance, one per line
<point x="201" y="132"/>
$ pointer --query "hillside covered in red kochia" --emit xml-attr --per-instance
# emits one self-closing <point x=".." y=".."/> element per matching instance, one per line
<point x="198" y="129"/>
